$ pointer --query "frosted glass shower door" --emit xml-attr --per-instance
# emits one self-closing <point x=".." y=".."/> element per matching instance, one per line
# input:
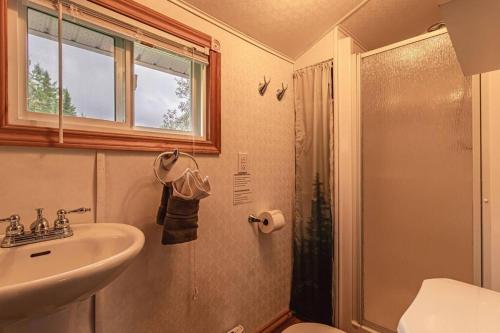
<point x="416" y="175"/>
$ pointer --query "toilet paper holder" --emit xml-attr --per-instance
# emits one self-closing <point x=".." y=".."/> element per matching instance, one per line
<point x="268" y="221"/>
<point x="254" y="219"/>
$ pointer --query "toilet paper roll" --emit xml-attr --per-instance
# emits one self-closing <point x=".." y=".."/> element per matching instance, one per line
<point x="271" y="221"/>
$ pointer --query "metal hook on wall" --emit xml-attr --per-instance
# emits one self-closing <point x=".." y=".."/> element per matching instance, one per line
<point x="263" y="86"/>
<point x="280" y="93"/>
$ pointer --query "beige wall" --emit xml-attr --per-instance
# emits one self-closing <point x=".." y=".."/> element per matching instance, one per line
<point x="322" y="50"/>
<point x="242" y="275"/>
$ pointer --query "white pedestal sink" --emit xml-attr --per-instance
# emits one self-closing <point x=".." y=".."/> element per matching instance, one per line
<point x="42" y="278"/>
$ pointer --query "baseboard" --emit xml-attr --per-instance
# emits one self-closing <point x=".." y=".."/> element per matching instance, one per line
<point x="276" y="322"/>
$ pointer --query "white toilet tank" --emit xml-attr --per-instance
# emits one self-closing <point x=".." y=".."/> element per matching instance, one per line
<point x="449" y="306"/>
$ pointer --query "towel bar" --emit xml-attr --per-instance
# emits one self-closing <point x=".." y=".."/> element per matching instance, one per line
<point x="175" y="153"/>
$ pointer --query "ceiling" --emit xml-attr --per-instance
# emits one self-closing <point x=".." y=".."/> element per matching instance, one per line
<point x="293" y="26"/>
<point x="288" y="26"/>
<point x="383" y="22"/>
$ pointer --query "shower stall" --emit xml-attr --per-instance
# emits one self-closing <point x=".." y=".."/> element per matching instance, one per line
<point x="413" y="179"/>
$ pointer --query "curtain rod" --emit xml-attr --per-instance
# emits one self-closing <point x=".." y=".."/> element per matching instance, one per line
<point x="314" y="65"/>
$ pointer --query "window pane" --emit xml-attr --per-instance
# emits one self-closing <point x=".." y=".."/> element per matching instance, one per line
<point x="163" y="91"/>
<point x="88" y="69"/>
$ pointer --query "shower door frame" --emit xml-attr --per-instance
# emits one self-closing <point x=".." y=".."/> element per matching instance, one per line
<point x="358" y="320"/>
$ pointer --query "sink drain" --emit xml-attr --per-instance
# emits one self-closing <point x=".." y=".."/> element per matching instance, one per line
<point x="38" y="254"/>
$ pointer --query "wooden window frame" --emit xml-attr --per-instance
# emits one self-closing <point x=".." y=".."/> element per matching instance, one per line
<point x="20" y="135"/>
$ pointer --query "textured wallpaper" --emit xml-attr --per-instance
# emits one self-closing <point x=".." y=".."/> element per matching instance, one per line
<point x="242" y="276"/>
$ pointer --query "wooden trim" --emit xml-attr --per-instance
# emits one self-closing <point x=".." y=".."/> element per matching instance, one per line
<point x="16" y="135"/>
<point x="213" y="121"/>
<point x="3" y="62"/>
<point x="276" y="322"/>
<point x="157" y="20"/>
<point x="48" y="137"/>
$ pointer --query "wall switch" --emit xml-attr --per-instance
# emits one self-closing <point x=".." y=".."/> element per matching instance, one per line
<point x="242" y="162"/>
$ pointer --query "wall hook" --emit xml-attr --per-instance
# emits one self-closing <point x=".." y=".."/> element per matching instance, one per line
<point x="263" y="86"/>
<point x="280" y="93"/>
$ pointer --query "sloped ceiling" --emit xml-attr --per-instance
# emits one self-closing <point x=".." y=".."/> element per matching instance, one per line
<point x="293" y="26"/>
<point x="383" y="22"/>
<point x="288" y="26"/>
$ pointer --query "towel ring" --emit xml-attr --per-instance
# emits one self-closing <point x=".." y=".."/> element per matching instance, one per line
<point x="167" y="153"/>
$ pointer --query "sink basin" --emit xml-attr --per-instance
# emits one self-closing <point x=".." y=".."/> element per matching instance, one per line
<point x="41" y="278"/>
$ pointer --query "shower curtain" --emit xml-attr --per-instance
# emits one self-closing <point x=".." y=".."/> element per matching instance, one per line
<point x="312" y="282"/>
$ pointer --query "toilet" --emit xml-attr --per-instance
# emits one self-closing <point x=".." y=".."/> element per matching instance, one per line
<point x="311" y="328"/>
<point x="449" y="306"/>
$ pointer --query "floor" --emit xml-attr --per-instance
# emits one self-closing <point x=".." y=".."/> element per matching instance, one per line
<point x="292" y="320"/>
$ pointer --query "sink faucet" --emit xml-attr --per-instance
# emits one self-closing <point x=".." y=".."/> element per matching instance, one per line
<point x="40" y="230"/>
<point x="15" y="228"/>
<point x="41" y="225"/>
<point x="62" y="223"/>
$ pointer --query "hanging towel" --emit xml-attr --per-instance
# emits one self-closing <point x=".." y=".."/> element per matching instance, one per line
<point x="178" y="211"/>
<point x="162" y="210"/>
<point x="190" y="186"/>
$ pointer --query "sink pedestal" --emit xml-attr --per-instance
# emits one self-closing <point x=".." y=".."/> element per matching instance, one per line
<point x="75" y="318"/>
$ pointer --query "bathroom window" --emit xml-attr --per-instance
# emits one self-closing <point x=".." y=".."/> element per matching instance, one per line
<point x="132" y="78"/>
<point x="165" y="96"/>
<point x="89" y="76"/>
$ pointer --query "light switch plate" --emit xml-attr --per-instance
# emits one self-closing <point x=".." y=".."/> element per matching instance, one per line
<point x="243" y="163"/>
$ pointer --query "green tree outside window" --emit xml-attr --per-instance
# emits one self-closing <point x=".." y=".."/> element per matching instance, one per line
<point x="43" y="95"/>
<point x="180" y="117"/>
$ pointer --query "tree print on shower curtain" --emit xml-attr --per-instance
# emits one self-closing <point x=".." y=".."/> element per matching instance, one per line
<point x="312" y="283"/>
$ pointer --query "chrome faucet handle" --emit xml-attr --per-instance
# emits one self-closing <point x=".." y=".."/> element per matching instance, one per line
<point x="62" y="222"/>
<point x="40" y="225"/>
<point x="15" y="228"/>
<point x="80" y="210"/>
